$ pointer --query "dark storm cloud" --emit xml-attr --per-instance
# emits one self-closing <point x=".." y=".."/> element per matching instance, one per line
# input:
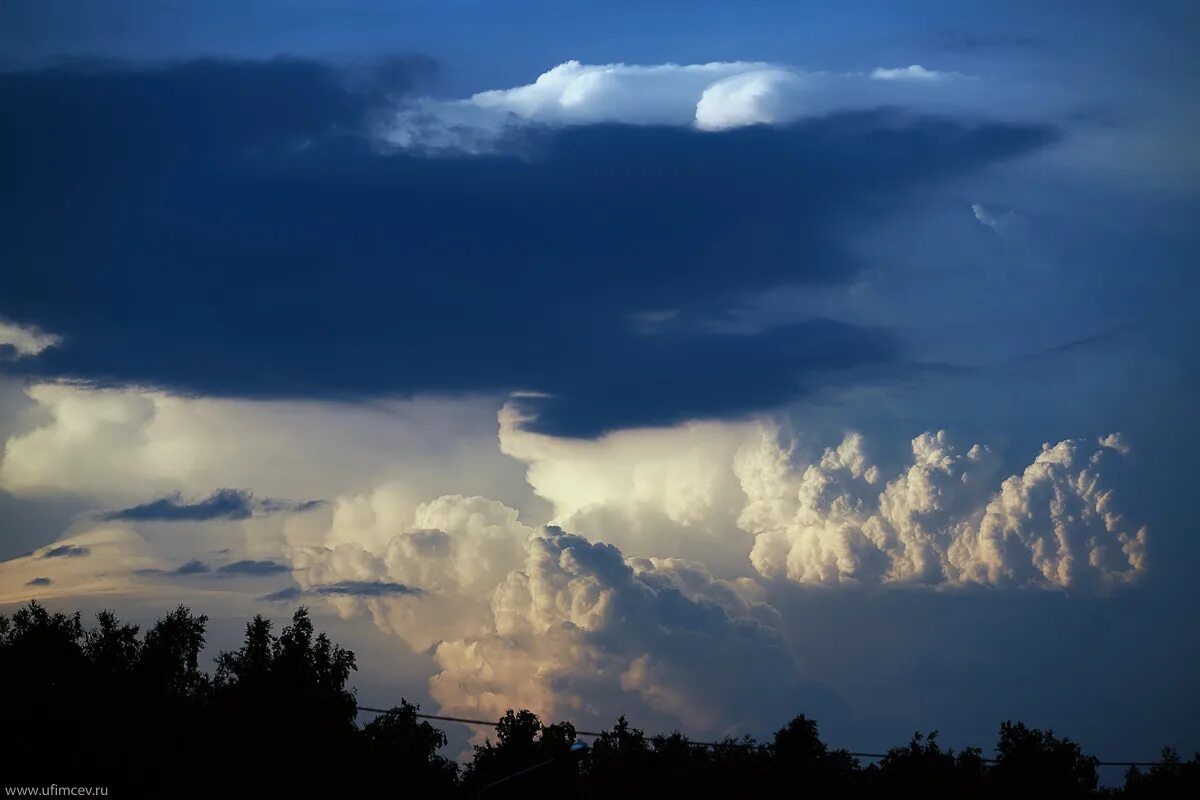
<point x="343" y="589"/>
<point x="39" y="582"/>
<point x="254" y="568"/>
<point x="232" y="233"/>
<point x="284" y="595"/>
<point x="67" y="551"/>
<point x="231" y="504"/>
<point x="272" y="505"/>
<point x="198" y="567"/>
<point x="193" y="567"/>
<point x="365" y="589"/>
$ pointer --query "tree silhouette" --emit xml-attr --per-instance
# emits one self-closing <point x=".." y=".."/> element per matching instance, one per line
<point x="522" y="741"/>
<point x="619" y="758"/>
<point x="1030" y="760"/>
<point x="109" y="705"/>
<point x="397" y="742"/>
<point x="799" y="756"/>
<point x="1171" y="779"/>
<point x="277" y="694"/>
<point x="924" y="769"/>
<point x="170" y="657"/>
<point x="112" y="648"/>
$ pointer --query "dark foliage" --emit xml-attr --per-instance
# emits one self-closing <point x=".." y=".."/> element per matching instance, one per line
<point x="924" y="769"/>
<point x="1172" y="778"/>
<point x="107" y="706"/>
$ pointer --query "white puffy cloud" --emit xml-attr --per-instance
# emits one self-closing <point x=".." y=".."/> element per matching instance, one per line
<point x="758" y="96"/>
<point x="663" y="94"/>
<point x="517" y="616"/>
<point x="649" y="603"/>
<point x="130" y="445"/>
<point x="713" y="96"/>
<point x="939" y="522"/>
<point x="25" y="340"/>
<point x="727" y="495"/>
<point x="569" y="94"/>
<point x="649" y="491"/>
<point x="521" y="616"/>
<point x="679" y="469"/>
<point x="1055" y="524"/>
<point x="580" y="630"/>
<point x="1115" y="441"/>
<point x="453" y="552"/>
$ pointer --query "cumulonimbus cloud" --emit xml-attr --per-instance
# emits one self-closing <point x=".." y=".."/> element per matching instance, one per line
<point x="579" y="623"/>
<point x="652" y="580"/>
<point x="712" y="97"/>
<point x="519" y="615"/>
<point x="539" y="618"/>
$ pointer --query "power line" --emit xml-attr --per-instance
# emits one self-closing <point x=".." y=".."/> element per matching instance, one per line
<point x="495" y="724"/>
<point x="467" y="721"/>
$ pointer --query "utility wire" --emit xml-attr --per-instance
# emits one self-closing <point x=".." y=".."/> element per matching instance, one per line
<point x="493" y="724"/>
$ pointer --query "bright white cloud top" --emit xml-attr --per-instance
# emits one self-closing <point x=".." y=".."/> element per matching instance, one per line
<point x="940" y="521"/>
<point x="713" y="97"/>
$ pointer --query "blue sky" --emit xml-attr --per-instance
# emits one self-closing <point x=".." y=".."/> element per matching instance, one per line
<point x="848" y="340"/>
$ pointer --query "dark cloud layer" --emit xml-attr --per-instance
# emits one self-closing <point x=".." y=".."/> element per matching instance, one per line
<point x="67" y="551"/>
<point x="193" y="567"/>
<point x="232" y="504"/>
<point x="254" y="568"/>
<point x="343" y="589"/>
<point x="232" y="233"/>
<point x="187" y="568"/>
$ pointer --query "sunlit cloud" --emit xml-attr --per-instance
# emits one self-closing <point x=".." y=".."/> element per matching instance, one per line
<point x="715" y="96"/>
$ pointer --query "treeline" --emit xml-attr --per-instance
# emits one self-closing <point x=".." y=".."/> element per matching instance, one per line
<point x="110" y="706"/>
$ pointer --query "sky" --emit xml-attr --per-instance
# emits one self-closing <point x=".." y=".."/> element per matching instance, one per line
<point x="706" y="363"/>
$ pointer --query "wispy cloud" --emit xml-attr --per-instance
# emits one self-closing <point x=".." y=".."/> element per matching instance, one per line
<point x="20" y="341"/>
<point x="67" y="551"/>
